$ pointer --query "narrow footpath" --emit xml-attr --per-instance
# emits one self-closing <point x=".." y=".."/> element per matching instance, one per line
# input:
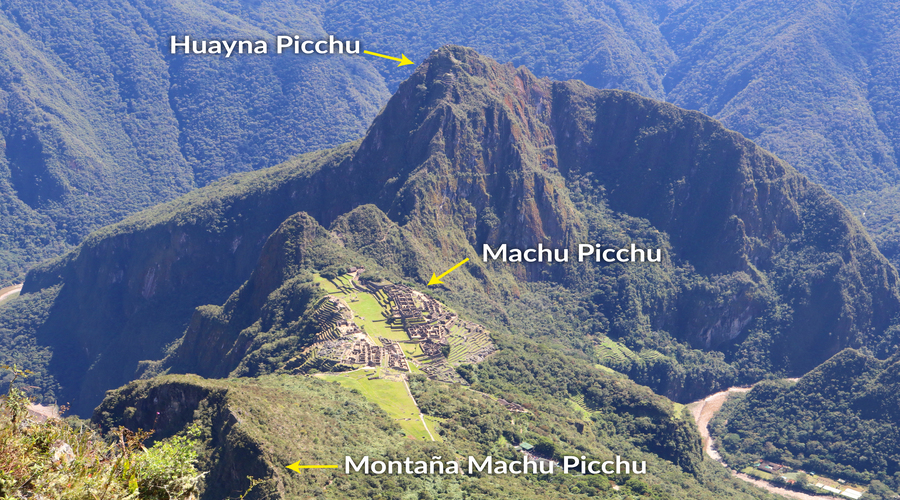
<point x="421" y="416"/>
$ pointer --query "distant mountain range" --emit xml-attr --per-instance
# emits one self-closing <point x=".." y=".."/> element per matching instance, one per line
<point x="98" y="121"/>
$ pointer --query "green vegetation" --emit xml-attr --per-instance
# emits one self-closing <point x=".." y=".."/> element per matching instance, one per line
<point x="368" y="312"/>
<point x="132" y="126"/>
<point x="19" y="323"/>
<point x="746" y="290"/>
<point x="464" y="343"/>
<point x="753" y="471"/>
<point x="533" y="373"/>
<point x="66" y="459"/>
<point x="316" y="421"/>
<point x="9" y="298"/>
<point x="816" y="85"/>
<point x="764" y="275"/>
<point x="614" y="354"/>
<point x="840" y="420"/>
<point x="390" y="395"/>
<point x="370" y="316"/>
<point x="412" y="350"/>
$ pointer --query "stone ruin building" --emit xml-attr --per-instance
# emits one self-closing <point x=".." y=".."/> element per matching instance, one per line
<point x="364" y="353"/>
<point x="396" y="358"/>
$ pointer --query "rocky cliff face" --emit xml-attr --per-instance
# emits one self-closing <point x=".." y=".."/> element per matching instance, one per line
<point x="760" y="263"/>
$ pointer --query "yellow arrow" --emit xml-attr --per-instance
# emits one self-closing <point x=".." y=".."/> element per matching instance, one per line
<point x="296" y="466"/>
<point x="436" y="280"/>
<point x="403" y="59"/>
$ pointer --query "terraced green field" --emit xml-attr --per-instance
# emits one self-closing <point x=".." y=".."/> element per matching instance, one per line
<point x="612" y="353"/>
<point x="460" y="347"/>
<point x="327" y="285"/>
<point x="369" y="313"/>
<point x="650" y="355"/>
<point x="390" y="396"/>
<point x="579" y="405"/>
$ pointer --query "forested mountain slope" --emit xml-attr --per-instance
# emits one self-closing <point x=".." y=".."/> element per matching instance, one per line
<point x="764" y="272"/>
<point x="98" y="120"/>
<point x="256" y="426"/>
<point x="815" y="83"/>
<point x="840" y="419"/>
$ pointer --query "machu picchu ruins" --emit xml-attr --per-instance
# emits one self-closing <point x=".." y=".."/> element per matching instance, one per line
<point x="390" y="326"/>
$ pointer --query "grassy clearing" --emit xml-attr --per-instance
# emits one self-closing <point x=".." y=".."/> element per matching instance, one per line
<point x="414" y="428"/>
<point x="412" y="350"/>
<point x="389" y="396"/>
<point x="368" y="312"/>
<point x="327" y="285"/>
<point x="754" y="472"/>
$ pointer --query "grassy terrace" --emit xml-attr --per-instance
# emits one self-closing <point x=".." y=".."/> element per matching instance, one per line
<point x="580" y="407"/>
<point x="614" y="355"/>
<point x="412" y="350"/>
<point x="390" y="396"/>
<point x="463" y="343"/>
<point x="368" y="311"/>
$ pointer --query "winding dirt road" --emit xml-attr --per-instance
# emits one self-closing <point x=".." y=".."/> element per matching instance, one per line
<point x="703" y="412"/>
<point x="6" y="292"/>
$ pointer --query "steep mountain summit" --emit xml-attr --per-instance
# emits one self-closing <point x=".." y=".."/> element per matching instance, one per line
<point x="763" y="271"/>
<point x="477" y="138"/>
<point x="509" y="155"/>
<point x="816" y="84"/>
